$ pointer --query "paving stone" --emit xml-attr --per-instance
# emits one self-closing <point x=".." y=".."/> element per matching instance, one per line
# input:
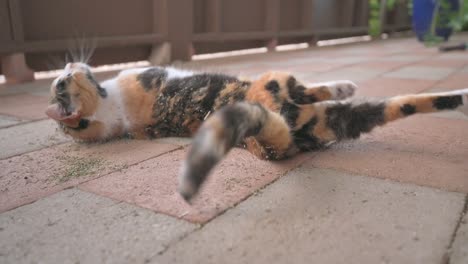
<point x="421" y="73"/>
<point x="6" y="121"/>
<point x="305" y="67"/>
<point x="353" y="73"/>
<point x="405" y="58"/>
<point x="38" y="87"/>
<point x="451" y="115"/>
<point x="461" y="55"/>
<point x="455" y="81"/>
<point x="422" y="150"/>
<point x="174" y="141"/>
<point x="441" y="62"/>
<point x="459" y="250"/>
<point x="385" y="87"/>
<point x="77" y="227"/>
<point x="381" y="64"/>
<point x="28" y="177"/>
<point x="152" y="184"/>
<point x="328" y="217"/>
<point x="28" y="137"/>
<point x="24" y="106"/>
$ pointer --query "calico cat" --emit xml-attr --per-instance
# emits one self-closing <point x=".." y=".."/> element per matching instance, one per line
<point x="273" y="117"/>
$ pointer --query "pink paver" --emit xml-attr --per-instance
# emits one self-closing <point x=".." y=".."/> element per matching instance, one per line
<point x="26" y="178"/>
<point x="383" y="86"/>
<point x="455" y="81"/>
<point x="24" y="106"/>
<point x="426" y="151"/>
<point x="441" y="62"/>
<point x="310" y="67"/>
<point x="385" y="65"/>
<point x="152" y="184"/>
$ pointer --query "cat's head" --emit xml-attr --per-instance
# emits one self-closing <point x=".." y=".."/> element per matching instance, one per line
<point x="74" y="95"/>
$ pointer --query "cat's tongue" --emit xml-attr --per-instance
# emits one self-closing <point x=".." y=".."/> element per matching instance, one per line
<point x="56" y="112"/>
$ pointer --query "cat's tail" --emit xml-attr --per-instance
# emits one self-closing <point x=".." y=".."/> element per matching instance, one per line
<point x="225" y="129"/>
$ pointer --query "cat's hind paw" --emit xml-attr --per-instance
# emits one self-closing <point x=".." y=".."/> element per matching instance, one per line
<point x="343" y="89"/>
<point x="339" y="90"/>
<point x="464" y="107"/>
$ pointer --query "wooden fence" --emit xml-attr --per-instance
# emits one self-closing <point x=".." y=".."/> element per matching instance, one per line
<point x="33" y="33"/>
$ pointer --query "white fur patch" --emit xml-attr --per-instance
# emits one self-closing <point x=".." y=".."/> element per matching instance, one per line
<point x="173" y="73"/>
<point x="340" y="89"/>
<point x="111" y="110"/>
<point x="464" y="107"/>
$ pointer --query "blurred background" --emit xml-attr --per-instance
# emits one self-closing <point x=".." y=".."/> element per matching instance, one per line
<point x="41" y="32"/>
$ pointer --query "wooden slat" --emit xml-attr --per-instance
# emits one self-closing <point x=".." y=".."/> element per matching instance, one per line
<point x="160" y="17"/>
<point x="64" y="44"/>
<point x="272" y="22"/>
<point x="16" y="21"/>
<point x="307" y="13"/>
<point x="221" y="37"/>
<point x="180" y="28"/>
<point x="259" y="35"/>
<point x="214" y="16"/>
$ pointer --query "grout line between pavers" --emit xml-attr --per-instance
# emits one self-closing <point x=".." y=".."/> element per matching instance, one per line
<point x="200" y="226"/>
<point x="374" y="177"/>
<point x="376" y="58"/>
<point x="447" y="256"/>
<point x="77" y="186"/>
<point x="21" y="121"/>
<point x="35" y="150"/>
<point x="457" y="71"/>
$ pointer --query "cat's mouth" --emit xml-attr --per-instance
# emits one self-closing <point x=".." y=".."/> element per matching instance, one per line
<point x="62" y="114"/>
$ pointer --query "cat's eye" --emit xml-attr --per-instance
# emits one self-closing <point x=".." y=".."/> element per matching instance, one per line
<point x="60" y="86"/>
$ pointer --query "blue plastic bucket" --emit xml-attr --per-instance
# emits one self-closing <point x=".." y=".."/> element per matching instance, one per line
<point x="423" y="10"/>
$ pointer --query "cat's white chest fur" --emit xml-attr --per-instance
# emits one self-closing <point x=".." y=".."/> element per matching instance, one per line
<point x="111" y="109"/>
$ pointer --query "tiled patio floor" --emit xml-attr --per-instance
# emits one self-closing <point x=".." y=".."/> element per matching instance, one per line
<point x="397" y="195"/>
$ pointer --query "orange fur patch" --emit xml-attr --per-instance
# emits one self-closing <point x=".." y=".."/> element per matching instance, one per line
<point x="322" y="93"/>
<point x="94" y="132"/>
<point x="275" y="133"/>
<point x="422" y="103"/>
<point x="321" y="130"/>
<point x="83" y="94"/>
<point x="259" y="94"/>
<point x="138" y="103"/>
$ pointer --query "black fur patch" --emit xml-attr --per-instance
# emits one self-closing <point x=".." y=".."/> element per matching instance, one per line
<point x="408" y="109"/>
<point x="101" y="91"/>
<point x="291" y="83"/>
<point x="290" y="112"/>
<point x="238" y="124"/>
<point x="187" y="101"/>
<point x="297" y="93"/>
<point x="349" y="121"/>
<point x="83" y="124"/>
<point x="152" y="78"/>
<point x="304" y="139"/>
<point x="273" y="87"/>
<point x="63" y="98"/>
<point x="237" y="95"/>
<point x="447" y="102"/>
